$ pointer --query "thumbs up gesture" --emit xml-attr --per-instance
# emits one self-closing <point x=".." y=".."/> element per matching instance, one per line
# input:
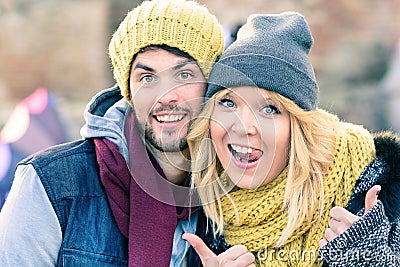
<point x="342" y="219"/>
<point x="236" y="256"/>
<point x="371" y="198"/>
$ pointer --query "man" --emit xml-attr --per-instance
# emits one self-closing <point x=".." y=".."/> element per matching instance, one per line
<point x="115" y="198"/>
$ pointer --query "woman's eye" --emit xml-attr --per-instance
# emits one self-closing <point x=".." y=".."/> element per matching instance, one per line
<point x="147" y="79"/>
<point x="227" y="103"/>
<point x="271" y="109"/>
<point x="185" y="76"/>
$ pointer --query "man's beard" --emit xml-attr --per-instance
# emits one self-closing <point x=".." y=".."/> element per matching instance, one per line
<point x="173" y="145"/>
<point x="176" y="145"/>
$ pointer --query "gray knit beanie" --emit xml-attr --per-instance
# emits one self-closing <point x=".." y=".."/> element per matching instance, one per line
<point x="271" y="52"/>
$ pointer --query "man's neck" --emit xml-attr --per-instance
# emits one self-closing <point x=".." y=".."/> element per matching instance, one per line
<point x="174" y="164"/>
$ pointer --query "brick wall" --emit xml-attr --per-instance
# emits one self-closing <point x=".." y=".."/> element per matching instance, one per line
<point x="62" y="46"/>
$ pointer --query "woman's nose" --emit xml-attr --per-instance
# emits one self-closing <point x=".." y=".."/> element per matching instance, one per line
<point x="246" y="123"/>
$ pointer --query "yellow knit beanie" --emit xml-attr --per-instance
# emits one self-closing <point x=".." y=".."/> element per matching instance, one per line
<point x="185" y="25"/>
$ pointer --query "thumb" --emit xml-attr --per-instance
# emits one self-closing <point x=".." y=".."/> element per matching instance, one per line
<point x="207" y="257"/>
<point x="372" y="197"/>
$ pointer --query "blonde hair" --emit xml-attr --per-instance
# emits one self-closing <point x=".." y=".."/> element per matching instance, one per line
<point x="312" y="149"/>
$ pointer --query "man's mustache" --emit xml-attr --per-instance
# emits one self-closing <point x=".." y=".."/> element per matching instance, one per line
<point x="170" y="108"/>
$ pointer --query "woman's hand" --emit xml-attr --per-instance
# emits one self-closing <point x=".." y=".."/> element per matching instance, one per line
<point x="236" y="256"/>
<point x="342" y="219"/>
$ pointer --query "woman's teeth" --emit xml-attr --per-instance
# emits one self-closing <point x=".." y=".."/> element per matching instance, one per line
<point x="242" y="149"/>
<point x="245" y="154"/>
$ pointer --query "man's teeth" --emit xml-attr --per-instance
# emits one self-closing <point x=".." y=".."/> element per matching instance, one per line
<point x="242" y="149"/>
<point x="169" y="118"/>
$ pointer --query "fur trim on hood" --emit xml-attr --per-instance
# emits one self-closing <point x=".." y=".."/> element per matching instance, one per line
<point x="387" y="147"/>
<point x="384" y="170"/>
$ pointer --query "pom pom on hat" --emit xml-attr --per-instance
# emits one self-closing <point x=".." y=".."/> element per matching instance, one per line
<point x="271" y="52"/>
<point x="185" y="25"/>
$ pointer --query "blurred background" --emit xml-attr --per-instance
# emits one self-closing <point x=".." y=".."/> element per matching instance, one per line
<point x="53" y="59"/>
<point x="62" y="46"/>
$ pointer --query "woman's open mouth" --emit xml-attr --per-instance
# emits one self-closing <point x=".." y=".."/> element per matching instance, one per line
<point x="245" y="154"/>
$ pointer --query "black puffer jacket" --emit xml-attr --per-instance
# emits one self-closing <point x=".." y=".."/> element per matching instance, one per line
<point x="374" y="240"/>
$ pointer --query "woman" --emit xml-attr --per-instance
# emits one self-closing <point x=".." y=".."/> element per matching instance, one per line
<point x="284" y="166"/>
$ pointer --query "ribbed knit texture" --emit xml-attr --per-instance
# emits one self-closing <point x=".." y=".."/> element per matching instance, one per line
<point x="271" y="52"/>
<point x="185" y="25"/>
<point x="261" y="220"/>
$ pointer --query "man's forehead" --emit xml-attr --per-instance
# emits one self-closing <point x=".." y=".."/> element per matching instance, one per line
<point x="159" y="64"/>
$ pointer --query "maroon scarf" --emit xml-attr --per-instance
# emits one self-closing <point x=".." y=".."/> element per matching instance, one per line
<point x="142" y="203"/>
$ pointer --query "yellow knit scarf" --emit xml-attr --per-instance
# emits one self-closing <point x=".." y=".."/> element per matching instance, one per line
<point x="261" y="220"/>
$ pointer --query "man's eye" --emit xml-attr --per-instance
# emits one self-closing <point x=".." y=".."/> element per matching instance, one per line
<point x="147" y="79"/>
<point x="227" y="103"/>
<point x="185" y="76"/>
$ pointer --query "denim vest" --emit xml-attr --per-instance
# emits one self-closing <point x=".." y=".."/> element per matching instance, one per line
<point x="69" y="174"/>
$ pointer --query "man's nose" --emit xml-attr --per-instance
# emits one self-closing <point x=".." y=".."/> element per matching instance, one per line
<point x="169" y="95"/>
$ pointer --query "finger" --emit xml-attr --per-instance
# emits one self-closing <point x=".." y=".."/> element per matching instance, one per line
<point x="372" y="197"/>
<point x="322" y="243"/>
<point x="207" y="257"/>
<point x="233" y="252"/>
<point x="329" y="234"/>
<point x="341" y="214"/>
<point x="246" y="259"/>
<point x="231" y="257"/>
<point x="338" y="227"/>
